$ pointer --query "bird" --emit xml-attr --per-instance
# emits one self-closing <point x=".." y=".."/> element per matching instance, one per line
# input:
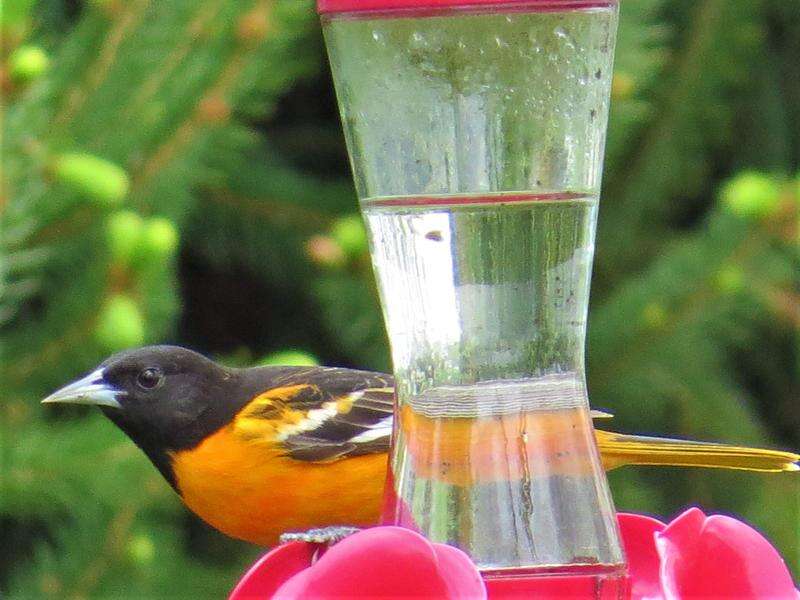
<point x="256" y="452"/>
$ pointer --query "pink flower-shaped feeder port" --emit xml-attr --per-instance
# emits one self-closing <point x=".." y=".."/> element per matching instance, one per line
<point x="382" y="562"/>
<point x="699" y="556"/>
<point x="694" y="557"/>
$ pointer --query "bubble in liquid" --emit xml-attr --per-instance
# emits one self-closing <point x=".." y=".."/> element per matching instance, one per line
<point x="378" y="37"/>
<point x="563" y="34"/>
<point x="417" y="40"/>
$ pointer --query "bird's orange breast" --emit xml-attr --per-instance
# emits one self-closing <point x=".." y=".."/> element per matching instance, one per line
<point x="250" y="490"/>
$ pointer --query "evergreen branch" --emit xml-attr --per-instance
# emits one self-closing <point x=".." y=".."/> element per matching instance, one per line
<point x="282" y="213"/>
<point x="783" y="303"/>
<point x="72" y="223"/>
<point x="194" y="31"/>
<point x="112" y="547"/>
<point x="27" y="365"/>
<point x="188" y="129"/>
<point x="32" y="358"/>
<point x="19" y="289"/>
<point x="96" y="72"/>
<point x="691" y="120"/>
<point x="185" y="132"/>
<point x="691" y="308"/>
<point x="640" y="58"/>
<point x="689" y="66"/>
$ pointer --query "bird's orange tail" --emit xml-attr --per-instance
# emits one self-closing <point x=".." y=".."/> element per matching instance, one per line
<point x="619" y="449"/>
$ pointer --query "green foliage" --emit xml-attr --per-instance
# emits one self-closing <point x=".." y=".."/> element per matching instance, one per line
<point x="120" y="324"/>
<point x="95" y="179"/>
<point x="752" y="195"/>
<point x="140" y="140"/>
<point x="27" y="63"/>
<point x="292" y="358"/>
<point x="666" y="152"/>
<point x="123" y="231"/>
<point x="349" y="233"/>
<point x="158" y="242"/>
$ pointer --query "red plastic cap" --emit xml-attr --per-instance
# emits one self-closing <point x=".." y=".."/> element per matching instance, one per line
<point x="354" y="6"/>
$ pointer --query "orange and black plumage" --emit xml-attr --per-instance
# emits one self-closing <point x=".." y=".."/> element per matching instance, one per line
<point x="260" y="451"/>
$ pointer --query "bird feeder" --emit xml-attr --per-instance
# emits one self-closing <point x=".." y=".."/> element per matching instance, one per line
<point x="476" y="132"/>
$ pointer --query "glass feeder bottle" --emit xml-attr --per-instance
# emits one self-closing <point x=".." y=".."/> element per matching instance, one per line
<point x="476" y="132"/>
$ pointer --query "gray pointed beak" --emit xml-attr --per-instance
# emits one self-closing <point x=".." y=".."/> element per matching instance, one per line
<point x="91" y="389"/>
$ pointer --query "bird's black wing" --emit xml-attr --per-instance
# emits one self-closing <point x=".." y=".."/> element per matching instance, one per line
<point x="319" y="414"/>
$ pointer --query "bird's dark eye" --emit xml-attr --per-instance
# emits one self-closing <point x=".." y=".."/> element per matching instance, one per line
<point x="149" y="378"/>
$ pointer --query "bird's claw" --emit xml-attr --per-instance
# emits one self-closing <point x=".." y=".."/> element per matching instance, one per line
<point x="321" y="535"/>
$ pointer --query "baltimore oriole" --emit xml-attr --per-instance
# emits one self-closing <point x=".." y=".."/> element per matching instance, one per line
<point x="260" y="451"/>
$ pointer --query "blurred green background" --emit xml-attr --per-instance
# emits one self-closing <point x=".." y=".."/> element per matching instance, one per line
<point x="174" y="171"/>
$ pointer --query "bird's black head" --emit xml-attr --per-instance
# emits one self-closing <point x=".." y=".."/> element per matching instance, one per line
<point x="165" y="398"/>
